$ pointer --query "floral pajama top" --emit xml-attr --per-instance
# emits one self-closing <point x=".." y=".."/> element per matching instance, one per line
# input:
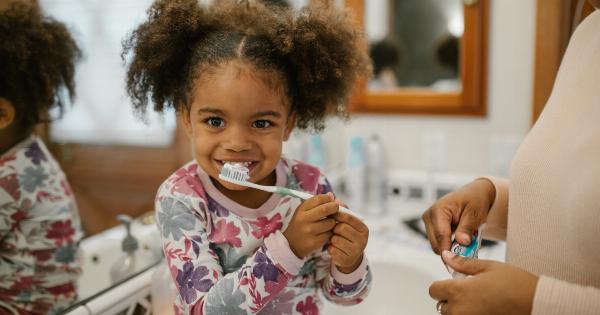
<point x="229" y="259"/>
<point x="39" y="232"/>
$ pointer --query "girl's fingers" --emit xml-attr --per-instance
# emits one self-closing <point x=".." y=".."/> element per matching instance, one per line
<point x="351" y="220"/>
<point x="323" y="226"/>
<point x="348" y="232"/>
<point x="323" y="238"/>
<point x="336" y="253"/>
<point x="314" y="202"/>
<point x="343" y="244"/>
<point x="322" y="211"/>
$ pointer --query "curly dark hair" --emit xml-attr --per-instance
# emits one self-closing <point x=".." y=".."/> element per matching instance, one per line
<point x="317" y="51"/>
<point x="37" y="61"/>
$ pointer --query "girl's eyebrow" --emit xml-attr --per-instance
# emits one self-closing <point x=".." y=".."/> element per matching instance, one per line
<point x="210" y="110"/>
<point x="268" y="113"/>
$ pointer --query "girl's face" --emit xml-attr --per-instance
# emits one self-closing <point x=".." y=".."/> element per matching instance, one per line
<point x="235" y="117"/>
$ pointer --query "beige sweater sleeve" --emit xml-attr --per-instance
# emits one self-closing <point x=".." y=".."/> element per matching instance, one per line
<point x="556" y="297"/>
<point x="496" y="221"/>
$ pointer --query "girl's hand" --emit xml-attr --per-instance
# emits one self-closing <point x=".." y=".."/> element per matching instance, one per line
<point x="311" y="226"/>
<point x="466" y="209"/>
<point x="495" y="288"/>
<point x="346" y="247"/>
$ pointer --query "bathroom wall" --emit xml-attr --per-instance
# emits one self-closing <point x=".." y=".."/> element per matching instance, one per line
<point x="473" y="145"/>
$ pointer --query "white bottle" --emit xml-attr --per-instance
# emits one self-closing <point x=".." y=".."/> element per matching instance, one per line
<point x="355" y="179"/>
<point x="127" y="263"/>
<point x="376" y="176"/>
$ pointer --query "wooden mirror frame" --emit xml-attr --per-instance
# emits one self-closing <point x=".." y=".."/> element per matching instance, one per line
<point x="471" y="101"/>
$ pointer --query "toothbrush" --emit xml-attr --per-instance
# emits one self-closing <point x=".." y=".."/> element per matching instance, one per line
<point x="238" y="174"/>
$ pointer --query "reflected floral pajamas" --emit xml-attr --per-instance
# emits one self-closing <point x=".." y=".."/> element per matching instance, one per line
<point x="39" y="232"/>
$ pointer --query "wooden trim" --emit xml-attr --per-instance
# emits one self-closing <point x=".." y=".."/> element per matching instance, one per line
<point x="470" y="101"/>
<point x="553" y="27"/>
<point x="111" y="179"/>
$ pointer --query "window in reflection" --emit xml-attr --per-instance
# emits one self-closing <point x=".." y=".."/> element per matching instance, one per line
<point x="102" y="111"/>
<point x="415" y="43"/>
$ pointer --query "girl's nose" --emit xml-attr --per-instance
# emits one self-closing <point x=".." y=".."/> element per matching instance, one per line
<point x="237" y="140"/>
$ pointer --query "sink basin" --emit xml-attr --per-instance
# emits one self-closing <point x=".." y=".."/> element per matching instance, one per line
<point x="100" y="251"/>
<point x="401" y="280"/>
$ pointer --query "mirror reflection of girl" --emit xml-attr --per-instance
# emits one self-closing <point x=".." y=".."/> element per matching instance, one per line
<point x="39" y="223"/>
<point x="242" y="76"/>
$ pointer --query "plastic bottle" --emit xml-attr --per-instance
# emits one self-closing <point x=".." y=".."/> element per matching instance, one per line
<point x="126" y="265"/>
<point x="355" y="179"/>
<point x="376" y="176"/>
<point x="315" y="153"/>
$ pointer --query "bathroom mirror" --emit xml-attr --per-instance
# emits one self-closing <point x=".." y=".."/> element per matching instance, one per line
<point x="429" y="56"/>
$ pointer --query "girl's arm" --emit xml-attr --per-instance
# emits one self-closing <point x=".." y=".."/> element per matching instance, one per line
<point x="340" y="288"/>
<point x="337" y="287"/>
<point x="196" y="268"/>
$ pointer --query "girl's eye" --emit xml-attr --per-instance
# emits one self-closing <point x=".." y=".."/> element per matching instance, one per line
<point x="215" y="122"/>
<point x="261" y="124"/>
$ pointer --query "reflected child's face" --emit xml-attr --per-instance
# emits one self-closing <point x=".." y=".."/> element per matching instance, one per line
<point x="236" y="117"/>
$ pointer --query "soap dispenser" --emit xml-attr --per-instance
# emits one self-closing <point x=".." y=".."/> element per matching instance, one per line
<point x="126" y="265"/>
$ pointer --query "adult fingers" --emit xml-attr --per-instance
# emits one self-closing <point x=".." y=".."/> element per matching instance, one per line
<point x="439" y="227"/>
<point x="442" y="290"/>
<point x="435" y="246"/>
<point x="470" y="220"/>
<point x="466" y="265"/>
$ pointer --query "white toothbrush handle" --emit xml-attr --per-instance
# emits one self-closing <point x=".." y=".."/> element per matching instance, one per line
<point x="303" y="195"/>
<point x="286" y="191"/>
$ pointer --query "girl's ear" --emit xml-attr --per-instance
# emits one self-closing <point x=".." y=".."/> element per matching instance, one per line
<point x="290" y="124"/>
<point x="7" y="113"/>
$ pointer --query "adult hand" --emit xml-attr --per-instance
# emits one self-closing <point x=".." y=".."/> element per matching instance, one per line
<point x="350" y="237"/>
<point x="466" y="209"/>
<point x="311" y="226"/>
<point x="494" y="288"/>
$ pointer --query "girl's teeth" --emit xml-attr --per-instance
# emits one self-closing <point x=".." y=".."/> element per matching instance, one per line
<point x="246" y="164"/>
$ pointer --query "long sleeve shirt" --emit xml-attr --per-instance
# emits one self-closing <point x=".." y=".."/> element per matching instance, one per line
<point x="549" y="210"/>
<point x="39" y="232"/>
<point x="229" y="259"/>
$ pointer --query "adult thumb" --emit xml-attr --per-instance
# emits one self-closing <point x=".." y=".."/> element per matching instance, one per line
<point x="467" y="224"/>
<point x="464" y="265"/>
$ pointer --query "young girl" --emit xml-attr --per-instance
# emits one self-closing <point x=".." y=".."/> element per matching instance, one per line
<point x="39" y="224"/>
<point x="241" y="76"/>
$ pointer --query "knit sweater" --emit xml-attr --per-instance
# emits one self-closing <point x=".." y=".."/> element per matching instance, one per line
<point x="549" y="210"/>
